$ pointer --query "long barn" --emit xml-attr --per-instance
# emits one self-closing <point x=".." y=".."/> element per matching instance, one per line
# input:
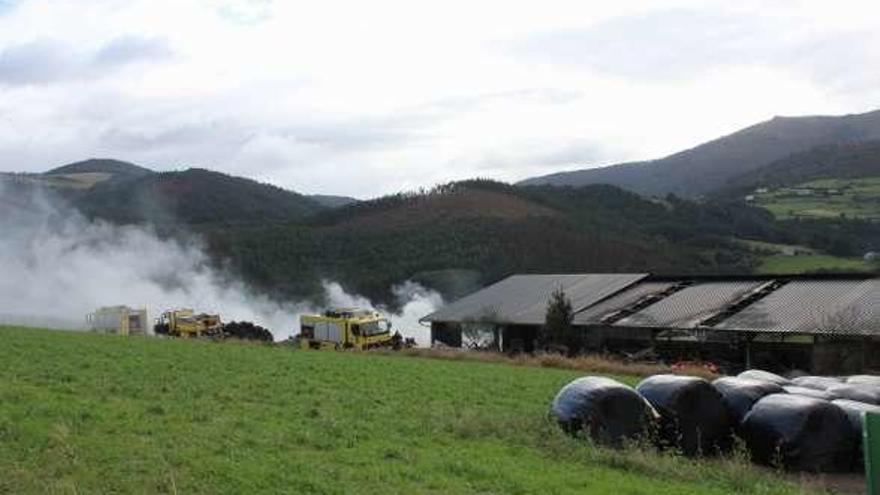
<point x="819" y="323"/>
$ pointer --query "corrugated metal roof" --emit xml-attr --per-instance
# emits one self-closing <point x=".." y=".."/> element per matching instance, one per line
<point x="820" y="306"/>
<point x="688" y="307"/>
<point x="522" y="299"/>
<point x="594" y="314"/>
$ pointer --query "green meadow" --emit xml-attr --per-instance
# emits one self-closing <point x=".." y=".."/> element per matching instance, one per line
<point x="87" y="413"/>
<point x="853" y="198"/>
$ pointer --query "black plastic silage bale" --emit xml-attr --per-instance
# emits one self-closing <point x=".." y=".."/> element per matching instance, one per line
<point x="798" y="433"/>
<point x="764" y="376"/>
<point x="862" y="393"/>
<point x="740" y="394"/>
<point x="854" y="411"/>
<point x="810" y="392"/>
<point x="693" y="417"/>
<point x="816" y="382"/>
<point x="872" y="380"/>
<point x="606" y="410"/>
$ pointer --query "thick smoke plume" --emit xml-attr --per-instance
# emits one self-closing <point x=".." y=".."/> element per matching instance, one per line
<point x="56" y="266"/>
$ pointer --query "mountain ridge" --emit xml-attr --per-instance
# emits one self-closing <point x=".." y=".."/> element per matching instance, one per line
<point x="707" y="167"/>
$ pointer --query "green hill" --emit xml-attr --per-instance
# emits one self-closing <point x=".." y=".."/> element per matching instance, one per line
<point x="101" y="165"/>
<point x="193" y="197"/>
<point x="454" y="238"/>
<point x="709" y="166"/>
<point x="839" y="161"/>
<point x="824" y="198"/>
<point x="89" y="413"/>
<point x="462" y="235"/>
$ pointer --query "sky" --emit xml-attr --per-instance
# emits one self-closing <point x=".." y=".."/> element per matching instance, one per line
<point x="368" y="98"/>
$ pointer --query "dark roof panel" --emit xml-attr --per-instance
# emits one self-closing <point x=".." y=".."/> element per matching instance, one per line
<point x="593" y="315"/>
<point x="691" y="305"/>
<point x="820" y="306"/>
<point x="522" y="299"/>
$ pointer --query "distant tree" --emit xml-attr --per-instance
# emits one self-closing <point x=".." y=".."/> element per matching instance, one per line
<point x="557" y="332"/>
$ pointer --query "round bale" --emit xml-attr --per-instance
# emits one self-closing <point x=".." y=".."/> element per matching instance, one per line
<point x="798" y="433"/>
<point x="872" y="380"/>
<point x="817" y="382"/>
<point x="764" y="376"/>
<point x="809" y="392"/>
<point x="862" y="393"/>
<point x="693" y="417"/>
<point x="608" y="411"/>
<point x="739" y="394"/>
<point x="854" y="411"/>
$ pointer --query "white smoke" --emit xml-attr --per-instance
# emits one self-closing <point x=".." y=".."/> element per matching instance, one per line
<point x="414" y="300"/>
<point x="56" y="266"/>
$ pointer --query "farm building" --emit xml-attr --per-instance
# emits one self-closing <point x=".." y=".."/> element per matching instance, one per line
<point x="119" y="319"/>
<point x="821" y="323"/>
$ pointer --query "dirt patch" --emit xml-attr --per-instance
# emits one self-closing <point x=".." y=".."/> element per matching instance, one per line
<point x="591" y="363"/>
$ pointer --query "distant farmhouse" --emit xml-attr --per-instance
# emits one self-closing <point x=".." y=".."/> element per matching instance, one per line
<point x="819" y="323"/>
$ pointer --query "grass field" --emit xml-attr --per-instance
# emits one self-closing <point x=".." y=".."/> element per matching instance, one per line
<point x="858" y="198"/>
<point x="812" y="263"/>
<point x="87" y="413"/>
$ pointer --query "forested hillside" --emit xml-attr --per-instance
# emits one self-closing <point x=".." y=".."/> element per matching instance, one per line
<point x="125" y="193"/>
<point x="836" y="161"/>
<point x="191" y="197"/>
<point x="453" y="238"/>
<point x="462" y="235"/>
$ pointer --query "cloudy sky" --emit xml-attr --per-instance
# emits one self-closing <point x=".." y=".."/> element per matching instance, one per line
<point x="363" y="98"/>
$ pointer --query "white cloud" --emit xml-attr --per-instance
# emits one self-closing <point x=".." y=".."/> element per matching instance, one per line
<point x="332" y="96"/>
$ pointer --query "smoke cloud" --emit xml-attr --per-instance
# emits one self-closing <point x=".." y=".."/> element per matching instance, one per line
<point x="56" y="266"/>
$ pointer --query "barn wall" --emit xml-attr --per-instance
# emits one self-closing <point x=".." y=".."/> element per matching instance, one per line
<point x="839" y="356"/>
<point x="446" y="333"/>
<point x="616" y="339"/>
<point x="520" y="338"/>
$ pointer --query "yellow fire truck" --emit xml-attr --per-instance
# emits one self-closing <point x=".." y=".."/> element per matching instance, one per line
<point x="185" y="323"/>
<point x="347" y="328"/>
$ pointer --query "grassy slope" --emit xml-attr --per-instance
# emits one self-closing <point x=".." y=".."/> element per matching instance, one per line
<point x="83" y="413"/>
<point x="774" y="259"/>
<point x="859" y="199"/>
<point x="812" y="263"/>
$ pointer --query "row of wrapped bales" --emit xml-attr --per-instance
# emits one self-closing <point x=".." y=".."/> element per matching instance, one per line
<point x="783" y="423"/>
<point x="682" y="412"/>
<point x="813" y="425"/>
<point x="861" y="388"/>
